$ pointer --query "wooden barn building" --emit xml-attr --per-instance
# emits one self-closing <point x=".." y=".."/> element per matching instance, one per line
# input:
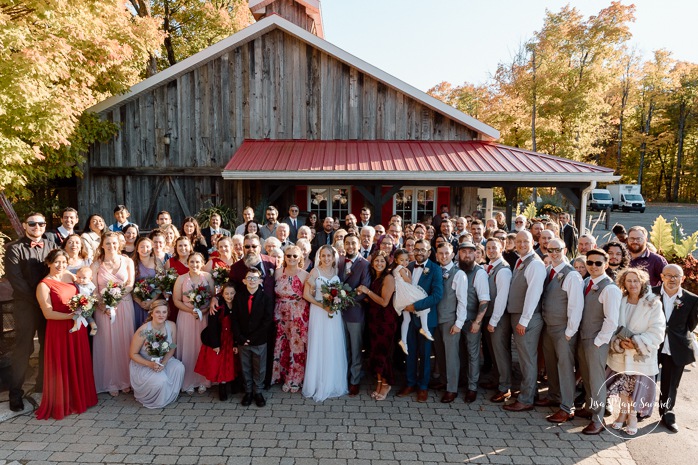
<point x="277" y="114"/>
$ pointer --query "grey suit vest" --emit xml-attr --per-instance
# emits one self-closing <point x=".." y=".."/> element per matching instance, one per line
<point x="555" y="299"/>
<point x="446" y="308"/>
<point x="519" y="286"/>
<point x="492" y="279"/>
<point x="592" y="317"/>
<point x="473" y="301"/>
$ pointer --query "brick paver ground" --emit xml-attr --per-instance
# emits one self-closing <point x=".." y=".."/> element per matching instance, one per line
<point x="292" y="430"/>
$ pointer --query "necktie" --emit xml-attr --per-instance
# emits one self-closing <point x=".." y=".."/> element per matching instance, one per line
<point x="489" y="268"/>
<point x="365" y="253"/>
<point x="327" y="239"/>
<point x="37" y="244"/>
<point x="552" y="273"/>
<point x="249" y="304"/>
<point x="518" y="263"/>
<point x="586" y="291"/>
<point x="293" y="221"/>
<point x="417" y="265"/>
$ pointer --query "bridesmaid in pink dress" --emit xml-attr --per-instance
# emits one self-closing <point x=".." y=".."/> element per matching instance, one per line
<point x="189" y="325"/>
<point x="111" y="344"/>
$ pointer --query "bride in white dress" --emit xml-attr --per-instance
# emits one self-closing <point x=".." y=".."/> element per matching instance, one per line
<point x="326" y="365"/>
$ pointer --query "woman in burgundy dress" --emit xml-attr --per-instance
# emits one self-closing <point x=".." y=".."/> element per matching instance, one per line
<point x="382" y="323"/>
<point x="178" y="261"/>
<point x="69" y="385"/>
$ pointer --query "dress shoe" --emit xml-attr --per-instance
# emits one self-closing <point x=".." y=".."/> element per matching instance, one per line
<point x="422" y="395"/>
<point x="584" y="413"/>
<point x="470" y="396"/>
<point x="518" y="407"/>
<point x="545" y="402"/>
<point x="16" y="404"/>
<point x="500" y="396"/>
<point x="489" y="385"/>
<point x="593" y="428"/>
<point x="560" y="417"/>
<point x="354" y="390"/>
<point x="437" y="384"/>
<point x="246" y="400"/>
<point x="223" y="392"/>
<point x="449" y="397"/>
<point x="670" y="425"/>
<point x="259" y="400"/>
<point x="406" y="391"/>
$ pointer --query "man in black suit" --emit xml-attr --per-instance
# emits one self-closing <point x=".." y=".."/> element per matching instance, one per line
<point x="24" y="268"/>
<point x="365" y="218"/>
<point x="569" y="233"/>
<point x="214" y="230"/>
<point x="681" y="310"/>
<point x="69" y="219"/>
<point x="324" y="237"/>
<point x="293" y="222"/>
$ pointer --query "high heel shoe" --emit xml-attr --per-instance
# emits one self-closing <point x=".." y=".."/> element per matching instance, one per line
<point x="620" y="421"/>
<point x="403" y="346"/>
<point x="377" y="391"/>
<point x="385" y="389"/>
<point x="631" y="429"/>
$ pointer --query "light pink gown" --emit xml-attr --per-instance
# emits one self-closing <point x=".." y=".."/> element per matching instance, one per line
<point x="189" y="342"/>
<point x="110" y="357"/>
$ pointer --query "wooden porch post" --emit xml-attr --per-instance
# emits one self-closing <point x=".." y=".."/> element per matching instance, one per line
<point x="510" y="194"/>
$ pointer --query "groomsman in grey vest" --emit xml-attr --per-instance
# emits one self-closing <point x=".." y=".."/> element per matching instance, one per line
<point x="563" y="303"/>
<point x="525" y="310"/>
<point x="497" y="321"/>
<point x="477" y="302"/>
<point x="599" y="322"/>
<point x="451" y="312"/>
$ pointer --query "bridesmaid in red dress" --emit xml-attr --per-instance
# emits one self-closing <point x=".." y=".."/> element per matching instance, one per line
<point x="69" y="385"/>
<point x="224" y="258"/>
<point x="178" y="261"/>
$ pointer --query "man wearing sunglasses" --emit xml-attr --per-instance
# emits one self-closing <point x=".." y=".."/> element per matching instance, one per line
<point x="563" y="302"/>
<point x="599" y="322"/>
<point x="24" y="268"/>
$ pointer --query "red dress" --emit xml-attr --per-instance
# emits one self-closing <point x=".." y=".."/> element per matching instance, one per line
<point x="181" y="269"/>
<point x="218" y="368"/>
<point x="69" y="385"/>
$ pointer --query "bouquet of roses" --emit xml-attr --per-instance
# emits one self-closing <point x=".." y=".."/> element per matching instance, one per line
<point x="165" y="281"/>
<point x="157" y="346"/>
<point x="146" y="288"/>
<point x="111" y="296"/>
<point x="199" y="296"/>
<point x="338" y="297"/>
<point x="82" y="307"/>
<point x="220" y="275"/>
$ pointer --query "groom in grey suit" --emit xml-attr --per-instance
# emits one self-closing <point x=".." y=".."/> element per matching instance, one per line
<point x="354" y="271"/>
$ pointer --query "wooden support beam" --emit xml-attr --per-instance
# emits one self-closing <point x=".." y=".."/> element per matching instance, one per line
<point x="510" y="194"/>
<point x="153" y="202"/>
<point x="277" y="193"/>
<point x="206" y="171"/>
<point x="368" y="196"/>
<point x="180" y="196"/>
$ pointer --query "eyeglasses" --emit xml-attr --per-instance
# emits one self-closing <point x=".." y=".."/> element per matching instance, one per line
<point x="636" y="239"/>
<point x="416" y="250"/>
<point x="555" y="250"/>
<point x="291" y="256"/>
<point x="40" y="224"/>
<point x="252" y="246"/>
<point x="671" y="277"/>
<point x="518" y="222"/>
<point x="593" y="263"/>
<point x="251" y="278"/>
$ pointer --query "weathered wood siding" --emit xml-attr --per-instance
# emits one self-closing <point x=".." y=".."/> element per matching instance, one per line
<point x="275" y="87"/>
<point x="293" y="12"/>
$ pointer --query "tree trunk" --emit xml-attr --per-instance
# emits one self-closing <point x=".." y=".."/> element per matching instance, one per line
<point x="643" y="146"/>
<point x="683" y="116"/>
<point x="168" y="39"/>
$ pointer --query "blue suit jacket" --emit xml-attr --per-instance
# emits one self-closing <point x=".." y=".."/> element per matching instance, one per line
<point x="432" y="282"/>
<point x="360" y="274"/>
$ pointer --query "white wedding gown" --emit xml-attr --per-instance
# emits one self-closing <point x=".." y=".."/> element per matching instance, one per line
<point x="326" y="366"/>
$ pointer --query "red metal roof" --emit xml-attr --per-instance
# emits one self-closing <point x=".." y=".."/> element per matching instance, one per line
<point x="417" y="160"/>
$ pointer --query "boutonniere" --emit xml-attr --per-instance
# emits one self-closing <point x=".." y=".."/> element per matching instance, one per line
<point x="678" y="303"/>
<point x="560" y="276"/>
<point x="426" y="271"/>
<point x="520" y="267"/>
<point x="594" y="288"/>
<point x="446" y="275"/>
<point x="347" y="269"/>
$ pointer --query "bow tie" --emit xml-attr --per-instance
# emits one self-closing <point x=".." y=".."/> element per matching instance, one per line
<point x="417" y="265"/>
<point x="36" y="244"/>
<point x="347" y="260"/>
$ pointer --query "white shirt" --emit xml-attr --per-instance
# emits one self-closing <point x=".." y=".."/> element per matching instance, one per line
<point x="573" y="285"/>
<point x="64" y="232"/>
<point x="535" y="278"/>
<point x="502" y="282"/>
<point x="669" y="303"/>
<point x="482" y="285"/>
<point x="460" y="286"/>
<point x="610" y="298"/>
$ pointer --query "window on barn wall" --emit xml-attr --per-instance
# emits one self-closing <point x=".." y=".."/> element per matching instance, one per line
<point x="412" y="203"/>
<point x="329" y="201"/>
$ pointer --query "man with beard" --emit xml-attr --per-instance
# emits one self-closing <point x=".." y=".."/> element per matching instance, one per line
<point x="477" y="229"/>
<point x="537" y="227"/>
<point x="253" y="258"/>
<point x="641" y="256"/>
<point x="214" y="231"/>
<point x="520" y="223"/>
<point x="568" y="233"/>
<point x="395" y="231"/>
<point x="324" y="237"/>
<point x="366" y="238"/>
<point x="269" y="229"/>
<point x="354" y="271"/>
<point x="477" y="303"/>
<point x="350" y="222"/>
<point x="525" y="310"/>
<point x="618" y="257"/>
<point x="586" y="243"/>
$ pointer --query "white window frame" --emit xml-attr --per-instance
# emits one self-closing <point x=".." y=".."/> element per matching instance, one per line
<point x="415" y="201"/>
<point x="328" y="211"/>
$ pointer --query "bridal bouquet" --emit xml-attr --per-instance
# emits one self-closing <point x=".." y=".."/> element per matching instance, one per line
<point x="112" y="294"/>
<point x="146" y="288"/>
<point x="220" y="275"/>
<point x="82" y="307"/>
<point x="165" y="281"/>
<point x="338" y="297"/>
<point x="199" y="296"/>
<point x="157" y="345"/>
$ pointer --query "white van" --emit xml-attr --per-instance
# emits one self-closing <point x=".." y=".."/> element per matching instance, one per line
<point x="599" y="199"/>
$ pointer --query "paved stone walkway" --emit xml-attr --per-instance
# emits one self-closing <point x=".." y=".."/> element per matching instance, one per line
<point x="293" y="430"/>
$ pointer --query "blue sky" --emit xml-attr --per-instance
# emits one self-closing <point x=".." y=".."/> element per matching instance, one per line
<point x="428" y="41"/>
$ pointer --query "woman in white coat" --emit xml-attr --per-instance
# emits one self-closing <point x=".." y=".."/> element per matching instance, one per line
<point x="633" y="350"/>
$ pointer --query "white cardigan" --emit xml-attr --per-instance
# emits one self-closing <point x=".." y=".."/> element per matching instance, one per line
<point x="648" y="324"/>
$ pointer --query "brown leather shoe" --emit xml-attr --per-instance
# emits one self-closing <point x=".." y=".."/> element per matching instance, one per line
<point x="489" y="385"/>
<point x="593" y="428"/>
<point x="449" y="397"/>
<point x="545" y="402"/>
<point x="560" y="417"/>
<point x="470" y="396"/>
<point x="354" y="390"/>
<point x="406" y="391"/>
<point x="422" y="395"/>
<point x="584" y="413"/>
<point x="500" y="396"/>
<point x="518" y="407"/>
